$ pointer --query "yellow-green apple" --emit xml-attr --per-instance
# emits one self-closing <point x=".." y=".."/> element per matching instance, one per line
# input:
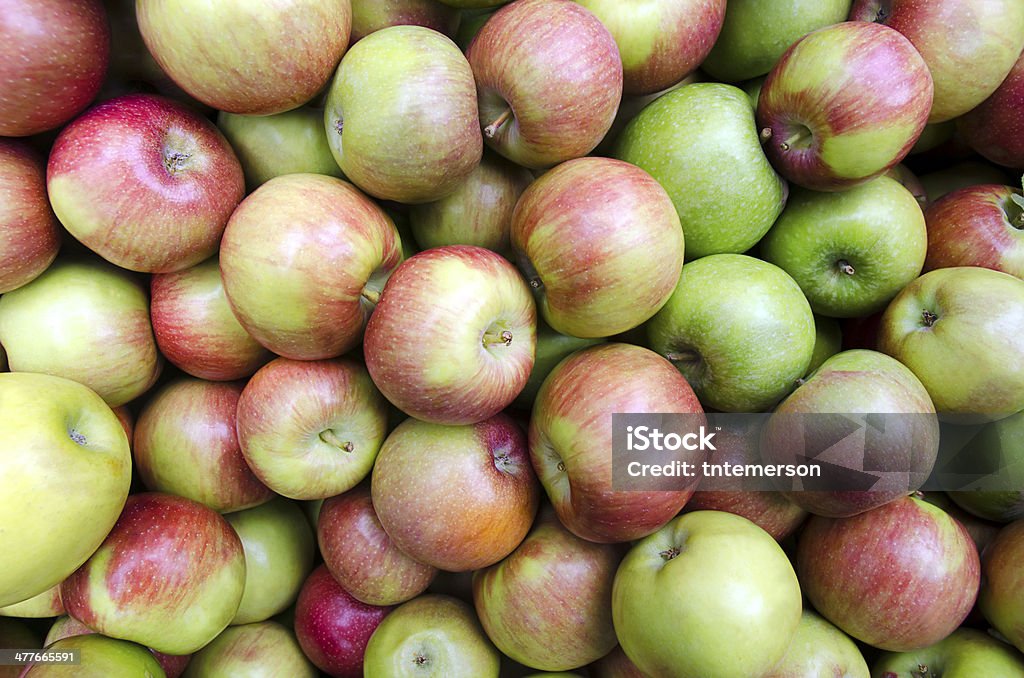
<point x="755" y="34"/>
<point x="53" y="59"/>
<point x="66" y="470"/>
<point x="279" y="549"/>
<point x="475" y="504"/>
<point x="68" y="627"/>
<point x="1000" y="597"/>
<point x="961" y="331"/>
<point x="100" y="657"/>
<point x="600" y="242"/>
<point x="260" y="650"/>
<point x="245" y="57"/>
<point x="452" y="339"/>
<point x="268" y="146"/>
<point x="571" y="435"/>
<point x="998" y="446"/>
<point x="303" y="259"/>
<point x="548" y="81"/>
<point x="977" y="226"/>
<point x="29" y="232"/>
<point x="432" y="635"/>
<point x="820" y="649"/>
<point x="552" y="347"/>
<point x="828" y="340"/>
<point x="969" y="45"/>
<point x="630" y="107"/>
<point x="195" y="328"/>
<point x="362" y="557"/>
<point x="43" y="605"/>
<point x="684" y="594"/>
<point x="372" y="15"/>
<point x="185" y="444"/>
<point x="548" y="604"/>
<point x="899" y="577"/>
<point x="169" y="575"/>
<point x="851" y="251"/>
<point x="144" y="182"/>
<point x="389" y="79"/>
<point x="700" y="142"/>
<point x="311" y="429"/>
<point x="961" y="175"/>
<point x="479" y="212"/>
<point x="332" y="627"/>
<point x="660" y="42"/>
<point x="965" y="653"/>
<point x="833" y="89"/>
<point x="739" y="329"/>
<point x="994" y="127"/>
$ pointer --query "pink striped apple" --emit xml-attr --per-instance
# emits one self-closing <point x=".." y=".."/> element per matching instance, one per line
<point x="977" y="226"/>
<point x="261" y="649"/>
<point x="29" y="232"/>
<point x="995" y="128"/>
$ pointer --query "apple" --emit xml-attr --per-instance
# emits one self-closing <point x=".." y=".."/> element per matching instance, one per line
<point x="362" y="557"/>
<point x="369" y="16"/>
<point x="279" y="550"/>
<point x="552" y="347"/>
<point x="303" y="260"/>
<point x="616" y="664"/>
<point x="470" y="23"/>
<point x="452" y="339"/>
<point x="66" y="471"/>
<point x="910" y="181"/>
<point x="828" y="340"/>
<point x="144" y="182"/>
<point x="660" y="42"/>
<point x="29" y="233"/>
<point x="700" y="142"/>
<point x="977" y="226"/>
<point x="754" y="35"/>
<point x="169" y="575"/>
<point x="548" y="81"/>
<point x="962" y="175"/>
<point x="834" y="88"/>
<point x="185" y="444"/>
<point x="53" y="59"/>
<point x="961" y="331"/>
<point x="68" y="627"/>
<point x="601" y="244"/>
<point x="311" y="429"/>
<point x="684" y="594"/>
<point x="431" y="635"/>
<point x="899" y="577"/>
<point x="332" y="627"/>
<point x="245" y="57"/>
<point x="46" y="604"/>
<point x="389" y="79"/>
<point x="571" y="435"/>
<point x="630" y="107"/>
<point x="265" y="649"/>
<point x="820" y="649"/>
<point x="195" y="328"/>
<point x="474" y="4"/>
<point x="1000" y="597"/>
<point x="966" y="653"/>
<point x="993" y="128"/>
<point x="457" y="498"/>
<point x="851" y="252"/>
<point x="100" y="657"/>
<point x="969" y="45"/>
<point x="999" y="449"/>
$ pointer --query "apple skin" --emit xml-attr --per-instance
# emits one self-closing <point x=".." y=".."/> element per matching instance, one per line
<point x="820" y="649"/>
<point x="977" y="226"/>
<point x="49" y="47"/>
<point x="457" y="498"/>
<point x="452" y="339"/>
<point x="474" y="4"/>
<point x="261" y="650"/>
<point x="570" y="438"/>
<point x="311" y="429"/>
<point x="660" y="42"/>
<point x="834" y="88"/>
<point x="225" y="53"/>
<point x="185" y="444"/>
<point x="144" y="182"/>
<point x="683" y="594"/>
<point x="69" y="627"/>
<point x="1000" y="597"/>
<point x="909" y="181"/>
<point x="966" y="653"/>
<point x="169" y="575"/>
<point x="600" y="241"/>
<point x="369" y="16"/>
<point x="828" y="340"/>
<point x="851" y="252"/>
<point x="552" y="347"/>
<point x="66" y="468"/>
<point x="994" y="127"/>
<point x="46" y="604"/>
<point x="961" y="175"/>
<point x="899" y="577"/>
<point x="961" y="331"/>
<point x="548" y="80"/>
<point x="1002" y="443"/>
<point x="362" y="557"/>
<point x="332" y="627"/>
<point x="195" y="328"/>
<point x="389" y="79"/>
<point x="616" y="664"/>
<point x="101" y="657"/>
<point x="967" y="64"/>
<point x="29" y="232"/>
<point x="548" y="604"/>
<point x="439" y="631"/>
<point x="301" y="258"/>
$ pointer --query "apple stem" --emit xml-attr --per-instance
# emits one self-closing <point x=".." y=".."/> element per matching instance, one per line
<point x="174" y="161"/>
<point x="493" y="128"/>
<point x="845" y="267"/>
<point x="331" y="438"/>
<point x="682" y="357"/>
<point x="492" y="338"/>
<point x="670" y="553"/>
<point x="766" y="135"/>
<point x="372" y="296"/>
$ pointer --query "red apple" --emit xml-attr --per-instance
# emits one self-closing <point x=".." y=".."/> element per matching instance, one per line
<point x="977" y="226"/>
<point x="29" y="232"/>
<point x="995" y="129"/>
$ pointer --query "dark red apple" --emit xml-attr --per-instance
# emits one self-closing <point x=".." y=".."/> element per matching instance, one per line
<point x="995" y="129"/>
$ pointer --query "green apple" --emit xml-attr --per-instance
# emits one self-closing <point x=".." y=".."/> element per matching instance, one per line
<point x="432" y="636"/>
<point x="46" y="604"/>
<point x="828" y="340"/>
<point x="999" y="497"/>
<point x="552" y="346"/>
<point x="684" y="596"/>
<point x="966" y="653"/>
<point x="739" y="329"/>
<point x="820" y="649"/>
<point x="263" y="650"/>
<point x="851" y="252"/>
<point x="65" y="470"/>
<point x="701" y="143"/>
<point x="100" y="657"/>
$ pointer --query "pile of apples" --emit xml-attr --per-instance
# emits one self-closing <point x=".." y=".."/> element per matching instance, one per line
<point x="314" y="317"/>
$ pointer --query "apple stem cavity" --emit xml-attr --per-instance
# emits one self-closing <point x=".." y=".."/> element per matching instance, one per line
<point x="1015" y="211"/>
<point x="844" y="267"/>
<point x="493" y="128"/>
<point x="683" y="357"/>
<point x="928" y="318"/>
<point x="339" y="126"/>
<point x="332" y="439"/>
<point x="371" y="296"/>
<point x="77" y="437"/>
<point x="670" y="553"/>
<point x="799" y="138"/>
<point x="175" y="162"/>
<point x="494" y="337"/>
